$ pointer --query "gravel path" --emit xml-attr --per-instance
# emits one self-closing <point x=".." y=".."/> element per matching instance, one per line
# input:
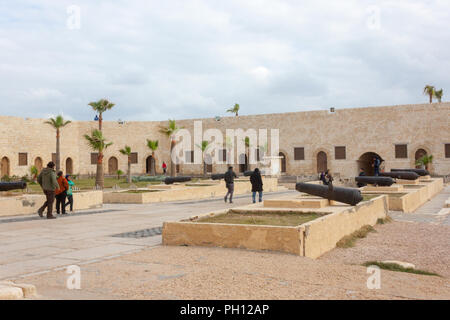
<point x="427" y="246"/>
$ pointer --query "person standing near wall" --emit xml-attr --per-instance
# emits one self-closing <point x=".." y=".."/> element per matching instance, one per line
<point x="70" y="193"/>
<point x="164" y="167"/>
<point x="229" y="183"/>
<point x="257" y="185"/>
<point x="61" y="194"/>
<point x="376" y="166"/>
<point x="47" y="181"/>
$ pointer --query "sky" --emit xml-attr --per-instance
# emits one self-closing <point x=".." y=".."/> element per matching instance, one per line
<point x="196" y="58"/>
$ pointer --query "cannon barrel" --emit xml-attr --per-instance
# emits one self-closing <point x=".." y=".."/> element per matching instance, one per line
<point x="6" y="186"/>
<point x="217" y="176"/>
<point x="420" y="172"/>
<point x="248" y="173"/>
<point x="346" y="195"/>
<point x="170" y="180"/>
<point x="379" y="181"/>
<point x="405" y="175"/>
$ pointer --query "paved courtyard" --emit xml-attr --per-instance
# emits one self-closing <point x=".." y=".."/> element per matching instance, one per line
<point x="125" y="267"/>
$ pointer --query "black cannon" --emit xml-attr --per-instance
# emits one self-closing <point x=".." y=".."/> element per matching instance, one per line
<point x="405" y="175"/>
<point x="7" y="186"/>
<point x="248" y="173"/>
<point x="420" y="172"/>
<point x="170" y="180"/>
<point x="217" y="176"/>
<point x="379" y="181"/>
<point x="346" y="195"/>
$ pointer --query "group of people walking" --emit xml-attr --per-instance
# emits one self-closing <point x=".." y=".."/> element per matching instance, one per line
<point x="255" y="180"/>
<point x="55" y="186"/>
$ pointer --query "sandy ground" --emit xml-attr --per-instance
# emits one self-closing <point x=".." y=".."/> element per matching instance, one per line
<point x="216" y="273"/>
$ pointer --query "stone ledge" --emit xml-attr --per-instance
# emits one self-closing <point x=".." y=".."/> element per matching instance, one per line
<point x="12" y="291"/>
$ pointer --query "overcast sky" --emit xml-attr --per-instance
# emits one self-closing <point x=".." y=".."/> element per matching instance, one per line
<point x="196" y="58"/>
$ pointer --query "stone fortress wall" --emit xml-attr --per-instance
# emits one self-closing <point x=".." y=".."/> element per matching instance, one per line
<point x="359" y="130"/>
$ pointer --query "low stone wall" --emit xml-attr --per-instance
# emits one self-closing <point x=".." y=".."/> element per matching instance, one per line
<point x="311" y="239"/>
<point x="421" y="191"/>
<point x="241" y="186"/>
<point x="30" y="203"/>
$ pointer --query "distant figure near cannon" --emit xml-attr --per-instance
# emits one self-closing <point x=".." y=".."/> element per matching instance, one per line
<point x="375" y="180"/>
<point x="405" y="175"/>
<point x="420" y="172"/>
<point x="217" y="176"/>
<point x="7" y="186"/>
<point x="171" y="180"/>
<point x="349" y="196"/>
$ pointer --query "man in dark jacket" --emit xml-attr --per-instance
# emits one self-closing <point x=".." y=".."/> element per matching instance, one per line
<point x="229" y="183"/>
<point x="48" y="183"/>
<point x="257" y="185"/>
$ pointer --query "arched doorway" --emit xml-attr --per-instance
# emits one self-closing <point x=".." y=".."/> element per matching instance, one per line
<point x="38" y="163"/>
<point x="365" y="161"/>
<point x="243" y="162"/>
<point x="149" y="165"/>
<point x="282" y="162"/>
<point x="322" y="162"/>
<point x="69" y="166"/>
<point x="419" y="154"/>
<point x="113" y="165"/>
<point x="5" y="170"/>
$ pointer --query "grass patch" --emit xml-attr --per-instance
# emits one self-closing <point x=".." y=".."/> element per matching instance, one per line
<point x="367" y="197"/>
<point x="399" y="268"/>
<point x="396" y="195"/>
<point x="255" y="218"/>
<point x="349" y="241"/>
<point x="384" y="220"/>
<point x="141" y="191"/>
<point x="88" y="184"/>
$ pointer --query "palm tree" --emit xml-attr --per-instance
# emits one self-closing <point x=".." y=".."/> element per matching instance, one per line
<point x="235" y="109"/>
<point x="57" y="123"/>
<point x="153" y="145"/>
<point x="204" y="146"/>
<point x="101" y="106"/>
<point x="98" y="143"/>
<point x="429" y="91"/>
<point x="425" y="161"/>
<point x="247" y="151"/>
<point x="438" y="94"/>
<point x="119" y="173"/>
<point x="170" y="131"/>
<point x="127" y="152"/>
<point x="34" y="173"/>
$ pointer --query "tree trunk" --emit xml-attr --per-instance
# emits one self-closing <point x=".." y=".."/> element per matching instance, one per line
<point x="129" y="170"/>
<point x="99" y="178"/>
<point x="153" y="165"/>
<point x="57" y="151"/>
<point x="172" y="165"/>
<point x="100" y="121"/>
<point x="204" y="168"/>
<point x="431" y="98"/>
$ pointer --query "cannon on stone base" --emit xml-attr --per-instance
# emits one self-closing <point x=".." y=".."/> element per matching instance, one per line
<point x="7" y="186"/>
<point x="420" y="172"/>
<point x="171" y="180"/>
<point x="345" y="195"/>
<point x="248" y="173"/>
<point x="404" y="175"/>
<point x="375" y="180"/>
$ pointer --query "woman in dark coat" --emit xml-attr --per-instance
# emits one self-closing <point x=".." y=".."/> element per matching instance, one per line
<point x="257" y="185"/>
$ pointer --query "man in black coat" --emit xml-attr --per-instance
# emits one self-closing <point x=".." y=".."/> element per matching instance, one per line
<point x="257" y="185"/>
<point x="229" y="182"/>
